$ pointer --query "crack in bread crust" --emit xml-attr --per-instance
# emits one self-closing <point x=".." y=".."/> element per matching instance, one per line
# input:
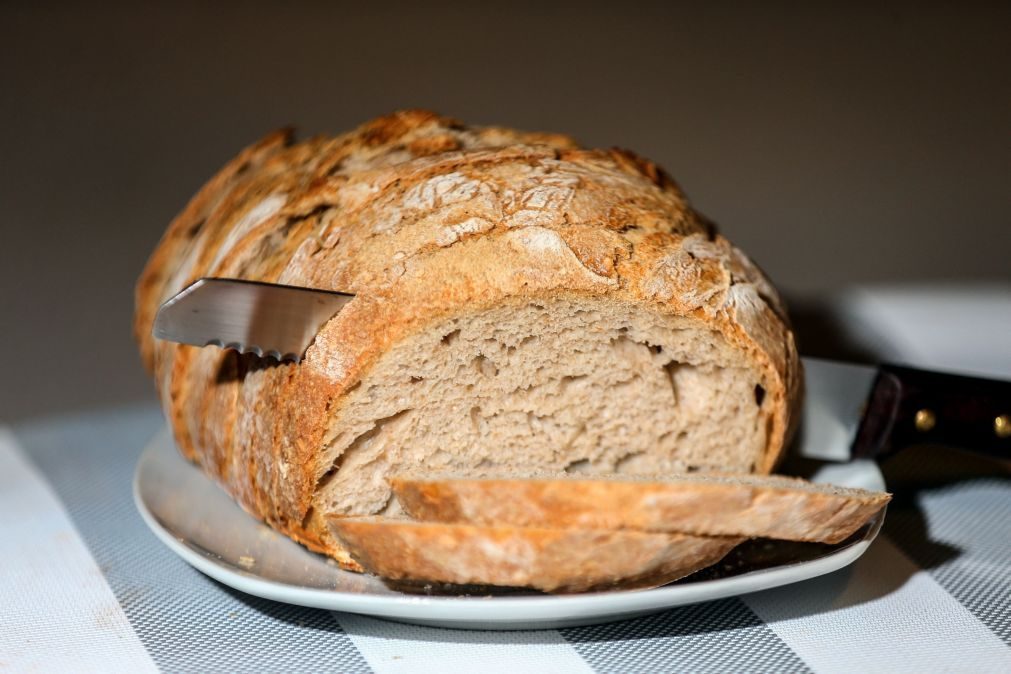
<point x="426" y="220"/>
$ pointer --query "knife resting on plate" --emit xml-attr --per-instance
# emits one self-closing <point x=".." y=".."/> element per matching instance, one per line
<point x="858" y="411"/>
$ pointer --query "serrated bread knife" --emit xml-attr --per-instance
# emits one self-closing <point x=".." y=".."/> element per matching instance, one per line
<point x="850" y="411"/>
<point x="266" y="319"/>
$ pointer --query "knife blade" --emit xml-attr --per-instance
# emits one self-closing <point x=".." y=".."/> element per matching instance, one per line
<point x="266" y="319"/>
<point x="851" y="411"/>
<point x="834" y="398"/>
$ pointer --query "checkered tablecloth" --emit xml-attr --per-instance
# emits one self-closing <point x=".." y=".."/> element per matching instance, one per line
<point x="84" y="586"/>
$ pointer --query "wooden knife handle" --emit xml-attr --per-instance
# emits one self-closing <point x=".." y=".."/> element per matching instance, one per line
<point x="916" y="407"/>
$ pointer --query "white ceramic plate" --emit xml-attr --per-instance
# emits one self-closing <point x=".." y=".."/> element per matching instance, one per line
<point x="200" y="523"/>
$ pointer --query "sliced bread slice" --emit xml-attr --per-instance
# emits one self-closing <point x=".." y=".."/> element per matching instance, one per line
<point x="552" y="560"/>
<point x="708" y="505"/>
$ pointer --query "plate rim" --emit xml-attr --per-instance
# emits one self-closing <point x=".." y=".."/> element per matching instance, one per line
<point x="507" y="610"/>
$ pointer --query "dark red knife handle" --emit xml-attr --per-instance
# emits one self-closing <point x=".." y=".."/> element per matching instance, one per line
<point x="908" y="406"/>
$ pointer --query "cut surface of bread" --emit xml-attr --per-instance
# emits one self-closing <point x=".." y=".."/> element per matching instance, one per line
<point x="568" y="385"/>
<point x="521" y="303"/>
<point x="716" y="505"/>
<point x="552" y="560"/>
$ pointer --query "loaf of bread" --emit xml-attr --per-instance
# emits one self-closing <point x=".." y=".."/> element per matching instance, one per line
<point x="768" y="506"/>
<point x="553" y="560"/>
<point x="521" y="303"/>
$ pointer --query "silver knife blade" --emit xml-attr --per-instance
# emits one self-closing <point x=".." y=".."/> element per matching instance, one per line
<point x="834" y="398"/>
<point x="249" y="316"/>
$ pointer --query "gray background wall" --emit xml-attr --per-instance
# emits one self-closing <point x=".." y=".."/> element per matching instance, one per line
<point x="840" y="144"/>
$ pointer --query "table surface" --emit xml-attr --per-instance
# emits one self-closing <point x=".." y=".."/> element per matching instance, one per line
<point x="86" y="587"/>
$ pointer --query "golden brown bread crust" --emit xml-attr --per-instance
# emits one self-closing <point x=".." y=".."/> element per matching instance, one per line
<point x="553" y="560"/>
<point x="424" y="218"/>
<point x="767" y="507"/>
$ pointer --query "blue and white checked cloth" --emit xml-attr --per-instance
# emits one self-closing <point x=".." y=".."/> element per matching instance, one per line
<point x="85" y="587"/>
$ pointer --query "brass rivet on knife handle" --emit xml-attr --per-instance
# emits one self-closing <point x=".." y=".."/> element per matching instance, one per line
<point x="908" y="407"/>
<point x="925" y="420"/>
<point x="1002" y="426"/>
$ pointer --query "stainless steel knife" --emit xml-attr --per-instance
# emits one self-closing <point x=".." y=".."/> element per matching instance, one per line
<point x="266" y="319"/>
<point x="851" y="411"/>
